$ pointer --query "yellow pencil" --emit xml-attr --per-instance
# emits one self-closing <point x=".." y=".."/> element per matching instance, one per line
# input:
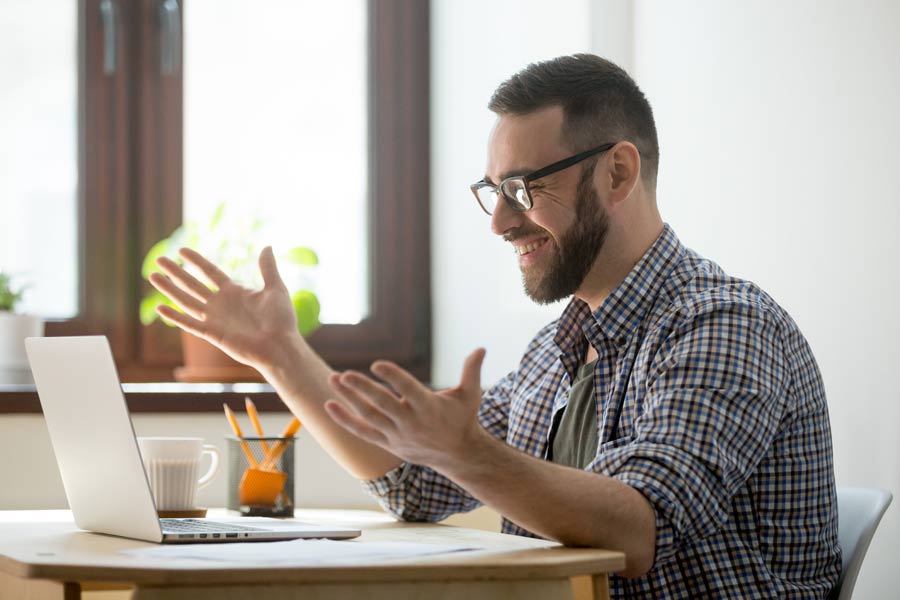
<point x="237" y="431"/>
<point x="254" y="418"/>
<point x="292" y="428"/>
<point x="280" y="446"/>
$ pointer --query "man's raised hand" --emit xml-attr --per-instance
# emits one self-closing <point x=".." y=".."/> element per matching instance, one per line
<point x="246" y="324"/>
<point x="407" y="419"/>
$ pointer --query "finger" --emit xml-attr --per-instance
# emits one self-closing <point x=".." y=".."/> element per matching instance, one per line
<point x="354" y="424"/>
<point x="400" y="379"/>
<point x="269" y="269"/>
<point x="372" y="412"/>
<point x="186" y="281"/>
<point x="186" y="302"/>
<point x="376" y="393"/>
<point x="214" y="273"/>
<point x="183" y="321"/>
<point x="470" y="381"/>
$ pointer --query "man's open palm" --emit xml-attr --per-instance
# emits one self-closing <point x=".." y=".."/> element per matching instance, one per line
<point x="240" y="321"/>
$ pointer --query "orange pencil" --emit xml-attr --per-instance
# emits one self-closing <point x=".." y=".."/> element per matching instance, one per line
<point x="278" y="449"/>
<point x="254" y="418"/>
<point x="237" y="431"/>
<point x="292" y="428"/>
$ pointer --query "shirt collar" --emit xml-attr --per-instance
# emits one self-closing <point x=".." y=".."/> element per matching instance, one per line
<point x="624" y="309"/>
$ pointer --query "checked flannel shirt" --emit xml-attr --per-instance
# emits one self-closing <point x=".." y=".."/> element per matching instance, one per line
<point x="709" y="403"/>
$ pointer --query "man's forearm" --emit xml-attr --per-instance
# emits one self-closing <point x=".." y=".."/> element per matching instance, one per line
<point x="574" y="507"/>
<point x="300" y="377"/>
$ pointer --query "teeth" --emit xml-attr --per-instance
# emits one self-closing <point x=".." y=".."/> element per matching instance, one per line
<point x="520" y="250"/>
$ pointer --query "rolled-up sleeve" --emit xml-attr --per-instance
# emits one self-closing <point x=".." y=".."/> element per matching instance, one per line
<point x="715" y="397"/>
<point x="417" y="493"/>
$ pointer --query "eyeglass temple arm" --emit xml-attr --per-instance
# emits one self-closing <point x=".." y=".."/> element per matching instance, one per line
<point x="568" y="162"/>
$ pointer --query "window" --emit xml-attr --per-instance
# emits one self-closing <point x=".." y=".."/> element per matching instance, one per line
<point x="39" y="153"/>
<point x="275" y="125"/>
<point x="129" y="147"/>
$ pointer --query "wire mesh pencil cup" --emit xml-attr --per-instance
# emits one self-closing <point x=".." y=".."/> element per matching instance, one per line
<point x="266" y="488"/>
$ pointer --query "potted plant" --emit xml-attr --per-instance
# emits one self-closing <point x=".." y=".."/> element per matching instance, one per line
<point x="233" y="243"/>
<point x="14" y="328"/>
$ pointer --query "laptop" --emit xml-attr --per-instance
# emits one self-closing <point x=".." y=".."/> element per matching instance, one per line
<point x="98" y="457"/>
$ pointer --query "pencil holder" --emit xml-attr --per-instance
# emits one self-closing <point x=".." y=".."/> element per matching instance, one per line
<point x="264" y="485"/>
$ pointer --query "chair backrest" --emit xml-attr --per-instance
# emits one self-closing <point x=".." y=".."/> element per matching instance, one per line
<point x="859" y="512"/>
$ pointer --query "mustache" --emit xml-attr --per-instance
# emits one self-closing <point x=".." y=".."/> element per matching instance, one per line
<point x="519" y="233"/>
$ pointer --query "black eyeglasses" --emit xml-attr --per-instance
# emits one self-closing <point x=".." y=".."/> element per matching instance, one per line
<point x="515" y="190"/>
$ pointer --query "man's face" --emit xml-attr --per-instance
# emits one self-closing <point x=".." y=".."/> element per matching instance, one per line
<point x="557" y="240"/>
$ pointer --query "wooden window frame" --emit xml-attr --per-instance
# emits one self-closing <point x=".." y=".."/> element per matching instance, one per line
<point x="130" y="191"/>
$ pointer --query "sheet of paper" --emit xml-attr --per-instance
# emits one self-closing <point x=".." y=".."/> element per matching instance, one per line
<point x="297" y="552"/>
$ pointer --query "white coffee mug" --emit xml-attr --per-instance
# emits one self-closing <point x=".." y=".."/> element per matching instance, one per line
<point x="172" y="464"/>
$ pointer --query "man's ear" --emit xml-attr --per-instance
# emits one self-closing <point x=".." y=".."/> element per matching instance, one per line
<point x="623" y="171"/>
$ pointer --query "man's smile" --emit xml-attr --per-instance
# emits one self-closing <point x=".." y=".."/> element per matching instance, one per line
<point x="529" y="247"/>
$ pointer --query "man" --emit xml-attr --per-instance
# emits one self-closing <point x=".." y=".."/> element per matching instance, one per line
<point x="671" y="412"/>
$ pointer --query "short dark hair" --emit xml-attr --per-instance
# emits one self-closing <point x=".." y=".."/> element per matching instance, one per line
<point x="600" y="101"/>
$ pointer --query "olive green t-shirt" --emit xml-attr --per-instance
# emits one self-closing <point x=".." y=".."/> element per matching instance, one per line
<point x="573" y="434"/>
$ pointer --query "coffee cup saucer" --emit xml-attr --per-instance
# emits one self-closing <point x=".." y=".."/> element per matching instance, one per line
<point x="190" y="513"/>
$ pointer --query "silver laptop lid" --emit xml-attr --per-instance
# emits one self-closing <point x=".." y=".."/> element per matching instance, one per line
<point x="92" y="436"/>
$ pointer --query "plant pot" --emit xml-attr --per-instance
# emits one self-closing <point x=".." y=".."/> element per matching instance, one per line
<point x="14" y="328"/>
<point x="204" y="363"/>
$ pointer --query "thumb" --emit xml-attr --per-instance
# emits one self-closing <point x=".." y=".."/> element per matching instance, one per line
<point x="269" y="268"/>
<point x="471" y="374"/>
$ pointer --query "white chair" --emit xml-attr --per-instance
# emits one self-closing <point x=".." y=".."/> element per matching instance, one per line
<point x="859" y="512"/>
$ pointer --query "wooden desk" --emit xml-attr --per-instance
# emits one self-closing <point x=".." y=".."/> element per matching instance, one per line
<point x="43" y="556"/>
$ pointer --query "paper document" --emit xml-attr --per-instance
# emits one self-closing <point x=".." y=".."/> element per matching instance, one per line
<point x="298" y="552"/>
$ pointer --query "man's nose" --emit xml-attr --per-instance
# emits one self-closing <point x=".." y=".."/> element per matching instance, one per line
<point x="504" y="218"/>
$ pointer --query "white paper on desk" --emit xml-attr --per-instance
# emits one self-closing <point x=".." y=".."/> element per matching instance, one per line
<point x="298" y="552"/>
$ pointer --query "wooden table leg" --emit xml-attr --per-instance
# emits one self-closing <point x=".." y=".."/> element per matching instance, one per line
<point x="582" y="587"/>
<point x="601" y="586"/>
<point x="37" y="589"/>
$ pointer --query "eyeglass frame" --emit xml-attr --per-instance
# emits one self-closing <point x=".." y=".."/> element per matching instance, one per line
<point x="533" y="176"/>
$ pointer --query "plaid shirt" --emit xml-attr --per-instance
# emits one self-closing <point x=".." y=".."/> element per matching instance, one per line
<point x="710" y="403"/>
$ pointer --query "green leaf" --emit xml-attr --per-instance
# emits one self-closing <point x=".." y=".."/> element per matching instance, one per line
<point x="149" y="265"/>
<point x="217" y="216"/>
<point x="301" y="255"/>
<point x="148" y="306"/>
<point x="306" y="306"/>
<point x="9" y="297"/>
<point x="148" y="309"/>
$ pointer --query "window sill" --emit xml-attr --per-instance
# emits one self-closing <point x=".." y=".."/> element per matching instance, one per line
<point x="161" y="397"/>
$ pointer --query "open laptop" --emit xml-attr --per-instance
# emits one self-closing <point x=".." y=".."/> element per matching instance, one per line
<point x="98" y="455"/>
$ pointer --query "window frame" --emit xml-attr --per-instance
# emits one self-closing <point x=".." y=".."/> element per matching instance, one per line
<point x="130" y="191"/>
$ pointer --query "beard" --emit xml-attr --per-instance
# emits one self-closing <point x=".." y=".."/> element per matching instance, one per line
<point x="577" y="249"/>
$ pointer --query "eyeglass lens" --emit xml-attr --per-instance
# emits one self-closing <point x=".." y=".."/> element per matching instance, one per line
<point x="514" y="191"/>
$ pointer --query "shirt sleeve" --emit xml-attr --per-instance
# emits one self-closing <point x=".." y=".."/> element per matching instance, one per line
<point x="715" y="397"/>
<point x="416" y="493"/>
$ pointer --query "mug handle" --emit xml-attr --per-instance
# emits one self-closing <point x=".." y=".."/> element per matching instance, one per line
<point x="213" y="466"/>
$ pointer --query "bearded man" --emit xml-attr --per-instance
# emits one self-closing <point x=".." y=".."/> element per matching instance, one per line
<point x="672" y="411"/>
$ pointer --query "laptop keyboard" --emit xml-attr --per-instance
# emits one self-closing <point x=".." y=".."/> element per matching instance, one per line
<point x="201" y="526"/>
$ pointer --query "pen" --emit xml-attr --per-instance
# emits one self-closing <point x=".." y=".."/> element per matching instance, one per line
<point x="237" y="431"/>
<point x="254" y="418"/>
